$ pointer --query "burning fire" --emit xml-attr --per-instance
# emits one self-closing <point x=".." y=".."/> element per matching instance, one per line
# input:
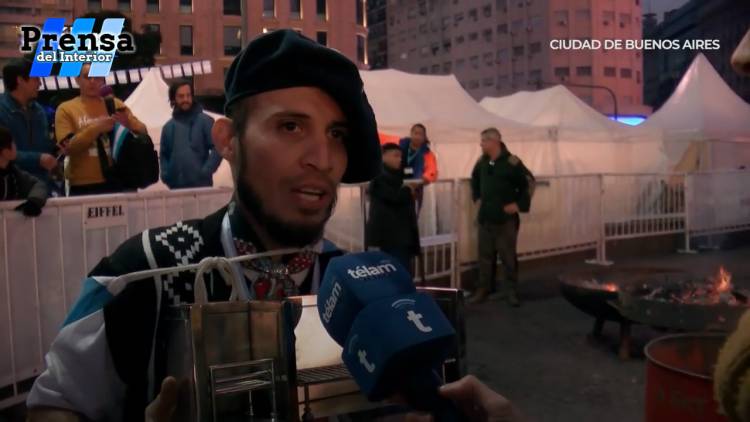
<point x="722" y="280"/>
<point x="610" y="287"/>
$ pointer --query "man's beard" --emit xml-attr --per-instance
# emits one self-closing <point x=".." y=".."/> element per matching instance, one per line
<point x="285" y="233"/>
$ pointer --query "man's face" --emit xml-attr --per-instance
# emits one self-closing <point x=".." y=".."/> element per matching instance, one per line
<point x="392" y="159"/>
<point x="28" y="87"/>
<point x="292" y="157"/>
<point x="417" y="136"/>
<point x="491" y="144"/>
<point x="90" y="87"/>
<point x="183" y="98"/>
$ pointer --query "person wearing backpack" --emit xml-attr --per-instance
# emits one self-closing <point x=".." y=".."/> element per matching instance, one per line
<point x="504" y="187"/>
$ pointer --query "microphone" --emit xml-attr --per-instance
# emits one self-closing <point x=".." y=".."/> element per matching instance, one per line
<point x="394" y="339"/>
<point x="109" y="98"/>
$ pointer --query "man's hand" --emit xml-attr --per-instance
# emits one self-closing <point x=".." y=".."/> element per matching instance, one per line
<point x="121" y="117"/>
<point x="477" y="401"/>
<point x="163" y="406"/>
<point x="47" y="161"/>
<point x="511" y="208"/>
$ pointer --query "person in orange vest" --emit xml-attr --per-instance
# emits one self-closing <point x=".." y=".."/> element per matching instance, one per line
<point x="418" y="161"/>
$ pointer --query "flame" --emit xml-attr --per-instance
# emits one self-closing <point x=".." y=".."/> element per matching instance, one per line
<point x="610" y="287"/>
<point x="723" y="280"/>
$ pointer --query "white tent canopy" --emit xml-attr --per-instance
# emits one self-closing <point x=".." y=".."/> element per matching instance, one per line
<point x="704" y="114"/>
<point x="586" y="140"/>
<point x="453" y="120"/>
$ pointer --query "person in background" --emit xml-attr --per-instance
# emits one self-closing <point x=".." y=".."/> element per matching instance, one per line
<point x="392" y="223"/>
<point x="187" y="155"/>
<point x="83" y="129"/>
<point x="27" y="122"/>
<point x="418" y="161"/>
<point x="504" y="187"/>
<point x="16" y="184"/>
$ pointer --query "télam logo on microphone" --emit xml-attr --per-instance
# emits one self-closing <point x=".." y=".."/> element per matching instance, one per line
<point x="364" y="271"/>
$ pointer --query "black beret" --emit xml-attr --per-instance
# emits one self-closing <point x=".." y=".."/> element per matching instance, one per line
<point x="285" y="59"/>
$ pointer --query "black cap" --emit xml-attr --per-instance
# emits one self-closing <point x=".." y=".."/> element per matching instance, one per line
<point x="285" y="59"/>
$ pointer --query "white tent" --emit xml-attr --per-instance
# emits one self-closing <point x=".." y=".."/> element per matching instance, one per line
<point x="453" y="120"/>
<point x="707" y="126"/>
<point x="586" y="140"/>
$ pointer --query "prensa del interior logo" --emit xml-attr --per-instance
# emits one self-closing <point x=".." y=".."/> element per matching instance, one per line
<point x="75" y="45"/>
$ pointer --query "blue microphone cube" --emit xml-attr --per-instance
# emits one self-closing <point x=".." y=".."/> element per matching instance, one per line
<point x="393" y="338"/>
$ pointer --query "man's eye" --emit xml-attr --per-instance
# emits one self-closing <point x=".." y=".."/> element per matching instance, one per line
<point x="339" y="133"/>
<point x="290" y="126"/>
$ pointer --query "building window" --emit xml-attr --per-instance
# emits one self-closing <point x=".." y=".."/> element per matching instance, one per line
<point x="626" y="73"/>
<point x="562" y="72"/>
<point x="488" y="81"/>
<point x="423" y="28"/>
<point x="518" y="51"/>
<point x="423" y="70"/>
<point x="610" y="72"/>
<point x="359" y="6"/>
<point x="502" y="54"/>
<point x="460" y="64"/>
<point x="474" y="61"/>
<point x="269" y="8"/>
<point x="638" y="76"/>
<point x="608" y="17"/>
<point x="447" y="44"/>
<point x="232" y="40"/>
<point x="322" y="10"/>
<point x="457" y="18"/>
<point x="361" y="49"/>
<point x="535" y="48"/>
<point x="435" y="69"/>
<point x="473" y="15"/>
<point x="487" y="35"/>
<point x="322" y="37"/>
<point x="447" y="67"/>
<point x="625" y="20"/>
<point x="561" y="17"/>
<point x="583" y="16"/>
<point x="123" y="5"/>
<point x="186" y="40"/>
<point x="94" y="5"/>
<point x="583" y="71"/>
<point x="502" y="29"/>
<point x="473" y="36"/>
<point x="444" y="24"/>
<point x="424" y="50"/>
<point x="535" y="75"/>
<point x="153" y="27"/>
<point x="460" y="39"/>
<point x="295" y="9"/>
<point x="487" y="10"/>
<point x="474" y="84"/>
<point x="536" y="23"/>
<point x="502" y="81"/>
<point x="186" y="6"/>
<point x="488" y="59"/>
<point x="152" y="6"/>
<point x="232" y="7"/>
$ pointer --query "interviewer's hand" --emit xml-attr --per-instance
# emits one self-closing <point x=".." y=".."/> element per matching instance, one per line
<point x="478" y="402"/>
<point x="47" y="161"/>
<point x="105" y="125"/>
<point x="163" y="406"/>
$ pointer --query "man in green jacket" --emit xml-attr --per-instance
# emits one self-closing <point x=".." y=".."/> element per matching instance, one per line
<point x="504" y="186"/>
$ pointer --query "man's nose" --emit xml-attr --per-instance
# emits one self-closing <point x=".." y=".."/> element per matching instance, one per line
<point x="318" y="153"/>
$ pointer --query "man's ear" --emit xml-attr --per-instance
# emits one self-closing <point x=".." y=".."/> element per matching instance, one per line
<point x="222" y="134"/>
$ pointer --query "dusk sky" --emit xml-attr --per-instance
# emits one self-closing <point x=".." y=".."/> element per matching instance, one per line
<point x="661" y="6"/>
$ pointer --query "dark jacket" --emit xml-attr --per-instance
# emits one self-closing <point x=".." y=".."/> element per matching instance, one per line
<point x="392" y="223"/>
<point x="500" y="183"/>
<point x="187" y="155"/>
<point x="16" y="184"/>
<point x="30" y="131"/>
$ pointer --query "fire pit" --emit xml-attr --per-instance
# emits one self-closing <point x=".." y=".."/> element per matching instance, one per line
<point x="594" y="292"/>
<point x="660" y="298"/>
<point x="709" y="304"/>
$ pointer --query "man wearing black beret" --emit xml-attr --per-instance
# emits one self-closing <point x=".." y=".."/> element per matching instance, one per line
<point x="299" y="124"/>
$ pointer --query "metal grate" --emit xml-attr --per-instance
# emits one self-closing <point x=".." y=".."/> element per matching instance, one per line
<point x="322" y="375"/>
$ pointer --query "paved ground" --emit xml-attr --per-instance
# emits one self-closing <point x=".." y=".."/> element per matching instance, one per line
<point x="539" y="356"/>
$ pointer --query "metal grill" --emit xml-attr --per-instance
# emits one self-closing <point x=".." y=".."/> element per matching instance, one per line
<point x="322" y="375"/>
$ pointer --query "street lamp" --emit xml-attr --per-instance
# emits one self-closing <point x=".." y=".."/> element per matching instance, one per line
<point x="540" y="83"/>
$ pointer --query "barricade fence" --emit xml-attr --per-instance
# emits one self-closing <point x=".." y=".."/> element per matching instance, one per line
<point x="43" y="260"/>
